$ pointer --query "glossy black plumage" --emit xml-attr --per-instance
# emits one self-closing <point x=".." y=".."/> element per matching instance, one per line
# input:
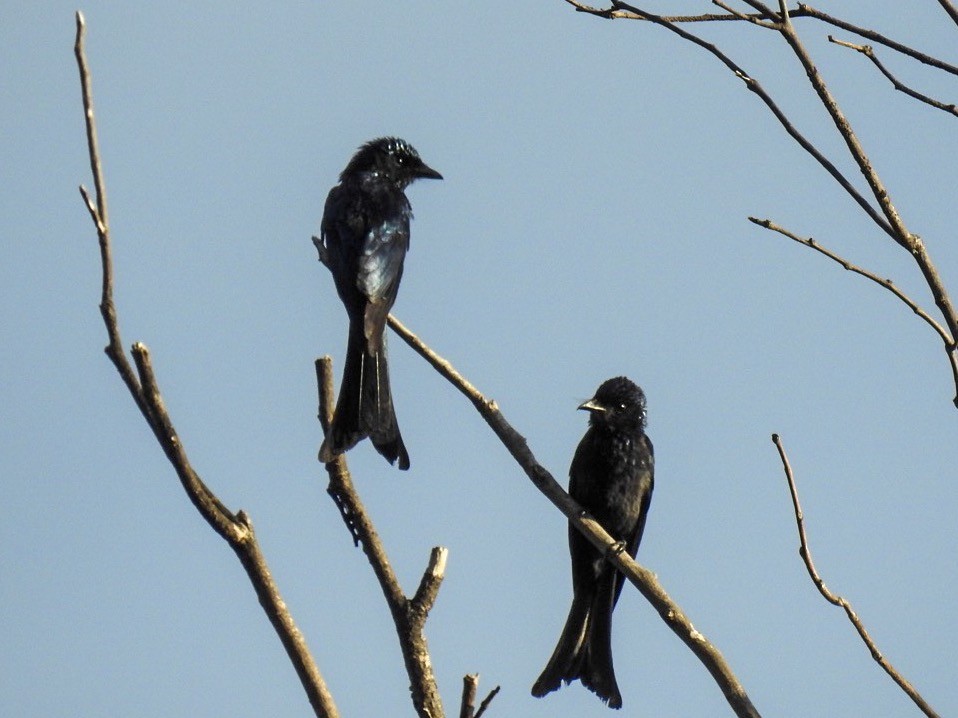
<point x="611" y="477"/>
<point x="365" y="234"/>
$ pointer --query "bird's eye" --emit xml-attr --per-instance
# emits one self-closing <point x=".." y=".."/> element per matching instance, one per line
<point x="622" y="407"/>
<point x="401" y="159"/>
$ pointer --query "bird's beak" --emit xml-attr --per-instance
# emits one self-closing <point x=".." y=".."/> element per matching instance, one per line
<point x="592" y="405"/>
<point x="427" y="172"/>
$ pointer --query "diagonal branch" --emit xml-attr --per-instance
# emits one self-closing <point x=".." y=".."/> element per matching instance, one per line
<point x="950" y="348"/>
<point x="950" y="9"/>
<point x="752" y="84"/>
<point x="756" y="19"/>
<point x="806" y="554"/>
<point x="900" y="232"/>
<point x="236" y="529"/>
<point x="409" y="615"/>
<point x="808" y="11"/>
<point x="869" y="52"/>
<point x="486" y="701"/>
<point x="644" y="580"/>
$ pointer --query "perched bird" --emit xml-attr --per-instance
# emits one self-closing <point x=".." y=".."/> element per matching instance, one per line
<point x="611" y="478"/>
<point x="365" y="233"/>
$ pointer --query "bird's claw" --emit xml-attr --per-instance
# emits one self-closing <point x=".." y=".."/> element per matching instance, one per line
<point x="615" y="549"/>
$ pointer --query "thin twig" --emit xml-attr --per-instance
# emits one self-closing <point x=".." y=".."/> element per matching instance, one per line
<point x="93" y="144"/>
<point x="808" y="11"/>
<point x="613" y="14"/>
<point x="951" y="350"/>
<point x="869" y="52"/>
<point x="486" y="701"/>
<point x="409" y="615"/>
<point x="754" y="19"/>
<point x="237" y="529"/>
<point x="806" y="554"/>
<point x="643" y="579"/>
<point x="100" y="216"/>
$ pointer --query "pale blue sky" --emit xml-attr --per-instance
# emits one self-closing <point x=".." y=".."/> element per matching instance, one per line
<point x="592" y="222"/>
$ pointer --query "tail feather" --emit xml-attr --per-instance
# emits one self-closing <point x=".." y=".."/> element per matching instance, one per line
<point x="584" y="650"/>
<point x="365" y="406"/>
<point x="596" y="671"/>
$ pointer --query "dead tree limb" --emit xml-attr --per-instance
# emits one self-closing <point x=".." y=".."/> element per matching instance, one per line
<point x="805" y="552"/>
<point x="409" y="614"/>
<point x="235" y="529"/>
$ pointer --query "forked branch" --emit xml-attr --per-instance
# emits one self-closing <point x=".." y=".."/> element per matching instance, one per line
<point x="409" y="614"/>
<point x="470" y="686"/>
<point x="869" y="52"/>
<point x="236" y="529"/>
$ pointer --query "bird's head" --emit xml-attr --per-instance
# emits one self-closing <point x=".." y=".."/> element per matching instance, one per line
<point x="618" y="404"/>
<point x="394" y="159"/>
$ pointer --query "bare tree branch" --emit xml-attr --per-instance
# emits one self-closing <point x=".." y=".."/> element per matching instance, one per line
<point x="93" y="144"/>
<point x="764" y="10"/>
<point x="409" y="615"/>
<point x="745" y="17"/>
<point x="752" y="84"/>
<point x="808" y="11"/>
<point x="951" y="350"/>
<point x="806" y="554"/>
<point x="950" y="9"/>
<point x="900" y="233"/>
<point x="868" y="52"/>
<point x="236" y="529"/>
<point x="888" y="219"/>
<point x="486" y="701"/>
<point x="616" y="12"/>
<point x="641" y="578"/>
<point x="470" y="684"/>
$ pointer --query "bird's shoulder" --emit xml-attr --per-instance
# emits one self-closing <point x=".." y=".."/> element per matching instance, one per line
<point x="366" y="202"/>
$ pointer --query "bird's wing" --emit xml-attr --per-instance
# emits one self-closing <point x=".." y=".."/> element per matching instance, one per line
<point x="587" y="562"/>
<point x="381" y="261"/>
<point x="343" y="229"/>
<point x="380" y="267"/>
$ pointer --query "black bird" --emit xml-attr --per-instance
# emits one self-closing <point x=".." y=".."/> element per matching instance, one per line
<point x="611" y="478"/>
<point x="365" y="233"/>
